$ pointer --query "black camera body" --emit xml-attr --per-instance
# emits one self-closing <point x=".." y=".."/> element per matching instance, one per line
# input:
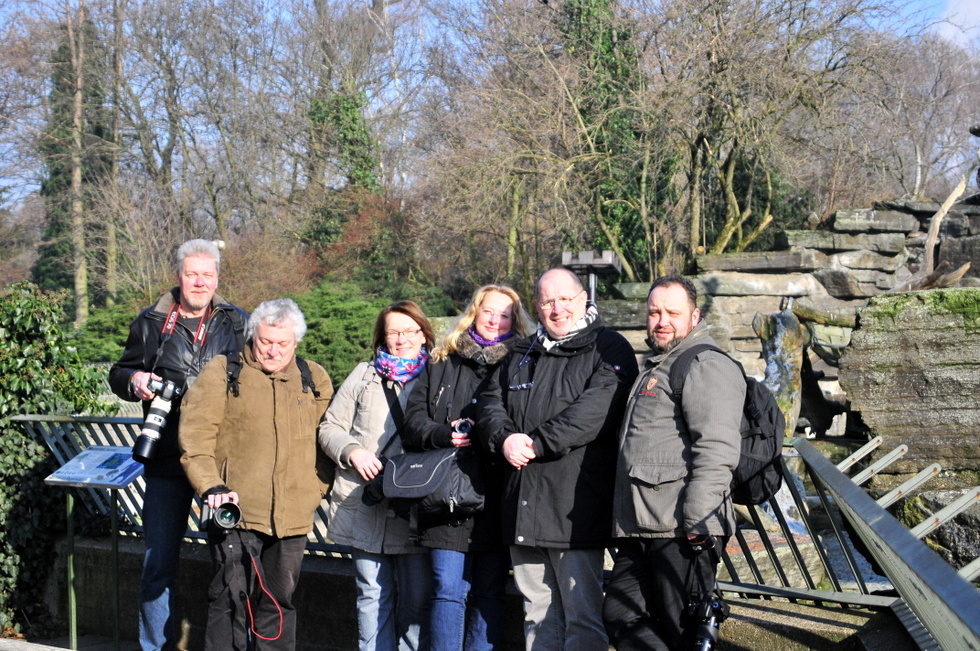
<point x="145" y="448"/>
<point x="710" y="612"/>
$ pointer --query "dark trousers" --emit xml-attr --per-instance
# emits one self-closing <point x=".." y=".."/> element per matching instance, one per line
<point x="651" y="584"/>
<point x="241" y="559"/>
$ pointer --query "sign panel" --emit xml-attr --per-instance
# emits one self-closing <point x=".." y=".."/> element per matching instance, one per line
<point x="98" y="466"/>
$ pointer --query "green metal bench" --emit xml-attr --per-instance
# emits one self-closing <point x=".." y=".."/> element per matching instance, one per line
<point x="66" y="436"/>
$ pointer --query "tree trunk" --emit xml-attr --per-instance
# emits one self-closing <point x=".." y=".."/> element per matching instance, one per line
<point x="111" y="246"/>
<point x="77" y="39"/>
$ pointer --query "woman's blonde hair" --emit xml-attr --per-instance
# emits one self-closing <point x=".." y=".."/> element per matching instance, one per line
<point x="521" y="323"/>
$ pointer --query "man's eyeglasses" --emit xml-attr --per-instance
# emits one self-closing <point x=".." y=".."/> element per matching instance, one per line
<point x="561" y="301"/>
<point x="408" y="334"/>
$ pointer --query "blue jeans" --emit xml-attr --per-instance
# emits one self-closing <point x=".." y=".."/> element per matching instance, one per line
<point x="393" y="597"/>
<point x="450" y="572"/>
<point x="488" y="593"/>
<point x="166" y="505"/>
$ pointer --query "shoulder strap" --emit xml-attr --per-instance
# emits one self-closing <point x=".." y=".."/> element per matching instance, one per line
<point x="234" y="364"/>
<point x="681" y="365"/>
<point x="307" y="376"/>
<point x="233" y="368"/>
<point x="397" y="414"/>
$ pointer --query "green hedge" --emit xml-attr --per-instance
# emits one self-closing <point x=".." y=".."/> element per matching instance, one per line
<point x="41" y="374"/>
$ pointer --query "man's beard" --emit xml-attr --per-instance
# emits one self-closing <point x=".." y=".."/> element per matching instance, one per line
<point x="666" y="348"/>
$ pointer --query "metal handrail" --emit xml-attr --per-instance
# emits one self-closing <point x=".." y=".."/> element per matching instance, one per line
<point x="946" y="604"/>
<point x="66" y="436"/>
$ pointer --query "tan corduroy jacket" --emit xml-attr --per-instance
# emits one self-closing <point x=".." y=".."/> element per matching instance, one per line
<point x="261" y="444"/>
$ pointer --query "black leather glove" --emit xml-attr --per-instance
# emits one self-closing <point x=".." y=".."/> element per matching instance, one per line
<point x="701" y="542"/>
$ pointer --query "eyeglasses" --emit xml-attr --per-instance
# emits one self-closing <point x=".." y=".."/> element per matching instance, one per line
<point x="561" y="301"/>
<point x="408" y="334"/>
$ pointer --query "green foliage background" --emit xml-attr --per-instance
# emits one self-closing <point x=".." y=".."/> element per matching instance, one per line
<point x="43" y="374"/>
<point x="340" y="320"/>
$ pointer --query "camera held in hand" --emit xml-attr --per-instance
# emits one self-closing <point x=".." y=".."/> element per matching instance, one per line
<point x="227" y="515"/>
<point x="145" y="448"/>
<point x="463" y="426"/>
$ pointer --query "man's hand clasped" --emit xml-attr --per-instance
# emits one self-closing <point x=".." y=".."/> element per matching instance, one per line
<point x="518" y="449"/>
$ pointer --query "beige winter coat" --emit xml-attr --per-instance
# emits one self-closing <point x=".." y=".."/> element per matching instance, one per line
<point x="359" y="417"/>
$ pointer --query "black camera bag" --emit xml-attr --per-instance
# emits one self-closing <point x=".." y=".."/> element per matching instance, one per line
<point x="440" y="486"/>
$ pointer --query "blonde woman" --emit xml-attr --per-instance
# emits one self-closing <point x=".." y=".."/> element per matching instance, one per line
<point x="440" y="413"/>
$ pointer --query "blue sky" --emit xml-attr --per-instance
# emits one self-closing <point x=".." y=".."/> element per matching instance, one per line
<point x="955" y="14"/>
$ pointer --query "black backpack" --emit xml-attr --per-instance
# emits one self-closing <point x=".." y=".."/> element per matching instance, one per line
<point x="760" y="470"/>
<point x="234" y="369"/>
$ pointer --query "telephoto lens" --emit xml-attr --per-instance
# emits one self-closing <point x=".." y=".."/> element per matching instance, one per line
<point x="145" y="448"/>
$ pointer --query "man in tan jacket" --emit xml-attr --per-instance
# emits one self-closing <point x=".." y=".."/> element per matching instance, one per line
<point x="250" y="441"/>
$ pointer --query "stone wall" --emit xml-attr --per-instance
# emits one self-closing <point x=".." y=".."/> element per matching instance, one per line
<point x="860" y="254"/>
<point x="912" y="370"/>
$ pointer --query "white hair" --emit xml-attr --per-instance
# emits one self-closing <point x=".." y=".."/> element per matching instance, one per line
<point x="274" y="313"/>
<point x="198" y="248"/>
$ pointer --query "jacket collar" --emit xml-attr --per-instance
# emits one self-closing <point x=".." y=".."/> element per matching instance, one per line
<point x="292" y="370"/>
<point x="577" y="344"/>
<point x="486" y="356"/>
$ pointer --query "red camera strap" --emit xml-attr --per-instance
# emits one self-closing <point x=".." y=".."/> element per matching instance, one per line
<point x="170" y="323"/>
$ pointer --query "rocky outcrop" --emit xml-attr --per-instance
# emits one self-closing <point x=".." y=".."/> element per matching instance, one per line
<point x="912" y="371"/>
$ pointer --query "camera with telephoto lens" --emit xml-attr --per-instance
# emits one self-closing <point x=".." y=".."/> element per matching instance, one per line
<point x="710" y="611"/>
<point x="224" y="516"/>
<point x="145" y="448"/>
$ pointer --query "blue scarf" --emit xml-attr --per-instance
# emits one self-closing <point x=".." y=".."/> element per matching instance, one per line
<point x="399" y="369"/>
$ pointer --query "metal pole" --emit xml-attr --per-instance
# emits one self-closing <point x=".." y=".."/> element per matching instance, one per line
<point x="72" y="617"/>
<point x="593" y="284"/>
<point x="114" y="518"/>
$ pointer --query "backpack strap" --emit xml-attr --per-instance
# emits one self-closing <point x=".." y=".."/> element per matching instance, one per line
<point x="234" y="369"/>
<point x="307" y="376"/>
<point x="234" y="364"/>
<point x="238" y="322"/>
<point x="681" y="365"/>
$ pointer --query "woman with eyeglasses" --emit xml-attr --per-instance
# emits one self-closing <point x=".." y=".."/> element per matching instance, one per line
<point x="467" y="552"/>
<point x="393" y="575"/>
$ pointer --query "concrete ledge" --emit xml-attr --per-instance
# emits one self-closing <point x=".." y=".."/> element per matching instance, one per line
<point x="325" y="601"/>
